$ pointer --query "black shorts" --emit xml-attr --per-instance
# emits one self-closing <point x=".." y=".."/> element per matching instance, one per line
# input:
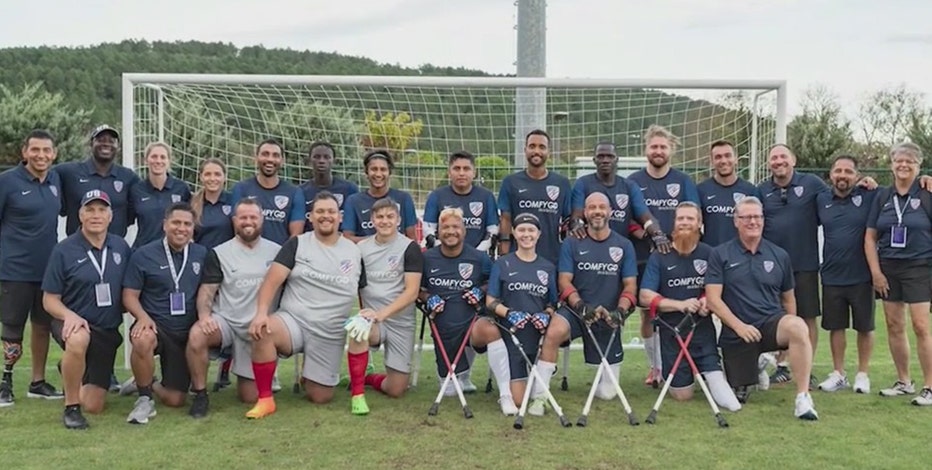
<point x="529" y="338"/>
<point x="702" y="349"/>
<point x="806" y="291"/>
<point x="20" y="301"/>
<point x="172" y="359"/>
<point x="740" y="358"/>
<point x="100" y="355"/>
<point x="451" y="339"/>
<point x="603" y="334"/>
<point x="843" y="306"/>
<point x="642" y="266"/>
<point x="910" y="280"/>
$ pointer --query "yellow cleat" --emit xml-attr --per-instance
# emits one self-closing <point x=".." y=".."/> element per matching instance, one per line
<point x="263" y="408"/>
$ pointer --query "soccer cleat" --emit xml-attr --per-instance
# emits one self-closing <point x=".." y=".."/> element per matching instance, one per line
<point x="898" y="389"/>
<point x="862" y="383"/>
<point x="114" y="384"/>
<point x="742" y="393"/>
<point x="537" y="407"/>
<point x="6" y="394"/>
<point x="836" y="381"/>
<point x="358" y="405"/>
<point x="44" y="390"/>
<point x="263" y="408"/>
<point x="73" y="419"/>
<point x="276" y="384"/>
<point x="199" y="406"/>
<point x="508" y="405"/>
<point x="804" y="407"/>
<point x="143" y="409"/>
<point x="781" y="375"/>
<point x="924" y="398"/>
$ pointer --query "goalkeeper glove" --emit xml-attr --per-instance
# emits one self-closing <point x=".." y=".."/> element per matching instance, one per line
<point x="358" y="328"/>
<point x="517" y="319"/>
<point x="473" y="296"/>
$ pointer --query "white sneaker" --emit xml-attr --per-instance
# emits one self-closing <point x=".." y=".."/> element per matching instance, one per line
<point x="508" y="405"/>
<point x="924" y="398"/>
<point x="836" y="381"/>
<point x="763" y="378"/>
<point x="536" y="407"/>
<point x="804" y="407"/>
<point x="143" y="409"/>
<point x="862" y="384"/>
<point x="898" y="389"/>
<point x="276" y="384"/>
<point x="466" y="384"/>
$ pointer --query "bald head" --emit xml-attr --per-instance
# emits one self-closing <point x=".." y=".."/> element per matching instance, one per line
<point x="596" y="198"/>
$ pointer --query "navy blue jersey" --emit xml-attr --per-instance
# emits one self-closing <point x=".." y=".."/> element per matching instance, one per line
<point x="599" y="267"/>
<point x="791" y="220"/>
<point x="680" y="277"/>
<point x="752" y="283"/>
<point x="624" y="196"/>
<point x="77" y="178"/>
<point x="450" y="278"/>
<point x="662" y="196"/>
<point x="148" y="207"/>
<point x="357" y="212"/>
<point x="844" y="220"/>
<point x="340" y="188"/>
<point x="882" y="217"/>
<point x="718" y="208"/>
<point x="148" y="272"/>
<point x="72" y="275"/>
<point x="479" y="210"/>
<point x="28" y="223"/>
<point x="281" y="205"/>
<point x="550" y="199"/>
<point x="524" y="286"/>
<point x="215" y="226"/>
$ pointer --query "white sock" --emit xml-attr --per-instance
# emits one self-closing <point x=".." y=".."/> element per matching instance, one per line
<point x="650" y="351"/>
<point x="658" y="357"/>
<point x="721" y="392"/>
<point x="606" y="388"/>
<point x="545" y="370"/>
<point x="470" y="354"/>
<point x="501" y="369"/>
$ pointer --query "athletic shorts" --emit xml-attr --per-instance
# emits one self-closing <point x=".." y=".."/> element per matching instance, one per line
<point x="170" y="348"/>
<point x="20" y="301"/>
<point x="702" y="348"/>
<point x="806" y="290"/>
<point x="323" y="356"/>
<point x="396" y="335"/>
<point x="741" y="358"/>
<point x="642" y="266"/>
<point x="843" y="306"/>
<point x="910" y="280"/>
<point x="235" y="343"/>
<point x="529" y="338"/>
<point x="603" y="334"/>
<point x="450" y="340"/>
<point x="100" y="355"/>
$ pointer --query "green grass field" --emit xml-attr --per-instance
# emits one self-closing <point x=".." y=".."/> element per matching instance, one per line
<point x="855" y="431"/>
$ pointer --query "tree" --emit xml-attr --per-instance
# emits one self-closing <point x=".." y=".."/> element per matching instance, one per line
<point x="32" y="107"/>
<point x="395" y="132"/>
<point x="821" y="131"/>
<point x="920" y="132"/>
<point x="887" y="115"/>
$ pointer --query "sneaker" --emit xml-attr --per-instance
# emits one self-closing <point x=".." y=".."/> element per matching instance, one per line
<point x="73" y="419"/>
<point x="537" y="407"/>
<point x="224" y="380"/>
<point x="358" y="405"/>
<point x="263" y="408"/>
<point x="6" y="394"/>
<point x="781" y="375"/>
<point x="924" y="398"/>
<point x="199" y="406"/>
<point x="276" y="384"/>
<point x="467" y="385"/>
<point x="143" y="409"/>
<point x="813" y="383"/>
<point x="114" y="384"/>
<point x="44" y="390"/>
<point x="836" y="381"/>
<point x="128" y="387"/>
<point x="899" y="388"/>
<point x="508" y="405"/>
<point x="763" y="378"/>
<point x="804" y="407"/>
<point x="862" y="384"/>
<point x="742" y="393"/>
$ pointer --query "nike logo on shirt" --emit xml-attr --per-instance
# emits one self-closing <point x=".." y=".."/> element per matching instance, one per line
<point x="828" y="205"/>
<point x="83" y="180"/>
<point x="144" y="199"/>
<point x="671" y="268"/>
<point x="25" y="192"/>
<point x="710" y="197"/>
<point x="522" y="190"/>
<point x="82" y="260"/>
<point x="582" y="253"/>
<point x="513" y="274"/>
<point x="365" y="211"/>
<point x="434" y="270"/>
<point x="163" y="267"/>
<point x="733" y="265"/>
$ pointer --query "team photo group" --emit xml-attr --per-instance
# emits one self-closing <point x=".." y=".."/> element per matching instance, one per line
<point x="728" y="278"/>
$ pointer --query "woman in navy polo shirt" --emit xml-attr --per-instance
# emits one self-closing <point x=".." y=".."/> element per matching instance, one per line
<point x="153" y="195"/>
<point x="213" y="205"/>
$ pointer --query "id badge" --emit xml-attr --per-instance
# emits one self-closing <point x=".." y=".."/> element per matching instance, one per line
<point x="897" y="236"/>
<point x="177" y="303"/>
<point x="102" y="292"/>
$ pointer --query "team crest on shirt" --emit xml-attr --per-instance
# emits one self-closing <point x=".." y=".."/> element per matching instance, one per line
<point x="621" y="200"/>
<point x="799" y="191"/>
<point x="856" y="200"/>
<point x="543" y="277"/>
<point x="393" y="262"/>
<point x="700" y="265"/>
<point x="914" y="203"/>
<point x="339" y="198"/>
<point x="118" y="186"/>
<point x="615" y="253"/>
<point x="117" y="259"/>
<point x="176" y="198"/>
<point x="281" y="201"/>
<point x="465" y="270"/>
<point x="553" y="192"/>
<point x="476" y="208"/>
<point x="768" y="266"/>
<point x="738" y="196"/>
<point x="226" y="208"/>
<point x="346" y="266"/>
<point x="54" y="190"/>
<point x="673" y="189"/>
<point x="196" y="267"/>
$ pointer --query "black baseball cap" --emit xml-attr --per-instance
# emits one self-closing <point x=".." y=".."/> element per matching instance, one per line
<point x="105" y="128"/>
<point x="95" y="195"/>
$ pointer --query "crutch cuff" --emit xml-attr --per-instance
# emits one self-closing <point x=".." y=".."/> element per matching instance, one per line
<point x="654" y="305"/>
<point x="631" y="301"/>
<point x="565" y="295"/>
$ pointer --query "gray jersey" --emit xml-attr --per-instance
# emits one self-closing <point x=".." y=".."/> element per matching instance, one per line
<point x="323" y="285"/>
<point x="239" y="270"/>
<point x="386" y="266"/>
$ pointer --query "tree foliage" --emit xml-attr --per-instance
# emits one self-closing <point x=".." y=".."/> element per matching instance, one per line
<point x="29" y="107"/>
<point x="393" y="131"/>
<point x="821" y="131"/>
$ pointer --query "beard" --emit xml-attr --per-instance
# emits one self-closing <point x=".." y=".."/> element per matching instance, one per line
<point x="685" y="240"/>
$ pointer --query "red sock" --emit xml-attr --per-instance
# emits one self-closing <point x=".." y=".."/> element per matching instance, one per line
<point x="375" y="381"/>
<point x="263" y="372"/>
<point x="357" y="372"/>
<point x="225" y="367"/>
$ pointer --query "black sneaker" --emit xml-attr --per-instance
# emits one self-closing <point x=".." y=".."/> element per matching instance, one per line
<point x="6" y="394"/>
<point x="781" y="375"/>
<point x="742" y="393"/>
<point x="199" y="406"/>
<point x="73" y="418"/>
<point x="44" y="390"/>
<point x="114" y="384"/>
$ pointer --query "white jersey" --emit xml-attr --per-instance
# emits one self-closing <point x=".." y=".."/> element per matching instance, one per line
<point x="239" y="270"/>
<point x="386" y="266"/>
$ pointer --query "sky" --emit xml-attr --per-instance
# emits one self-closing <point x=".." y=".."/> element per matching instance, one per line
<point x="853" y="47"/>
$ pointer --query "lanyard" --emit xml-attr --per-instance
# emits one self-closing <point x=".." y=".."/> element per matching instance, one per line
<point x="896" y="207"/>
<point x="100" y="267"/>
<point x="176" y="275"/>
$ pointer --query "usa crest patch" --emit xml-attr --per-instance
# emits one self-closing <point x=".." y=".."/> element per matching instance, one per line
<point x="673" y="189"/>
<point x="281" y="201"/>
<point x="465" y="270"/>
<point x="621" y="200"/>
<point x="616" y="253"/>
<point x="700" y="265"/>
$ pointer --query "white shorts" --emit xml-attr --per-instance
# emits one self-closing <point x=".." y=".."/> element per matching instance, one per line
<point x="237" y="342"/>
<point x="397" y="335"/>
<point x="323" y="357"/>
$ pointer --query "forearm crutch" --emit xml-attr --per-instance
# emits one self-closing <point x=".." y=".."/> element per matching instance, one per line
<point x="451" y="368"/>
<point x="416" y="366"/>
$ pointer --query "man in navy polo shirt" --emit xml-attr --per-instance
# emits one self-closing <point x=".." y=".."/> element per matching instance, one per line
<point x="29" y="206"/>
<point x="357" y="213"/>
<point x="282" y="202"/>
<point x="478" y="204"/>
<point x="719" y="193"/>
<point x="320" y="158"/>
<point x="160" y="291"/>
<point x="82" y="292"/>
<point x="99" y="171"/>
<point x="749" y="286"/>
